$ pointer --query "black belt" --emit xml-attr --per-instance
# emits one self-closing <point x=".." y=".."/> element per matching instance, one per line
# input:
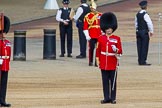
<point x="143" y="30"/>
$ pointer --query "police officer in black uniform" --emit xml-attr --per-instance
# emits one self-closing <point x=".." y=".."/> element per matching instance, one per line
<point x="65" y="26"/>
<point x="82" y="10"/>
<point x="144" y="29"/>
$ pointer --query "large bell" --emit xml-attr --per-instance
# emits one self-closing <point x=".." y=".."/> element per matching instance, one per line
<point x="51" y="4"/>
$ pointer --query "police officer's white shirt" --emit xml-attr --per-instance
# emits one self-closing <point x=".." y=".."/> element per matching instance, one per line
<point x="58" y="15"/>
<point x="79" y="12"/>
<point x="148" y="21"/>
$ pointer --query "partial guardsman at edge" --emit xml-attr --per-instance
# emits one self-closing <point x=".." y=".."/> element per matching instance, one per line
<point x="5" y="54"/>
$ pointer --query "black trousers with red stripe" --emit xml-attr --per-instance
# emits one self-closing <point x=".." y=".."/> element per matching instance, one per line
<point x="107" y="82"/>
<point x="92" y="46"/>
<point x="3" y="86"/>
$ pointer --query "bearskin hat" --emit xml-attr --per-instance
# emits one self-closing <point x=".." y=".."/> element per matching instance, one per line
<point x="6" y="24"/>
<point x="65" y="1"/>
<point x="108" y="20"/>
<point x="83" y="1"/>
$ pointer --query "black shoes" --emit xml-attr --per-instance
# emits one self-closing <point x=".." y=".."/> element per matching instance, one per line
<point x="108" y="101"/>
<point x="144" y="64"/>
<point x="113" y="102"/>
<point x="5" y="105"/>
<point x="96" y="65"/>
<point x="62" y="55"/>
<point x="90" y="64"/>
<point x="80" y="57"/>
<point x="105" y="101"/>
<point x="69" y="55"/>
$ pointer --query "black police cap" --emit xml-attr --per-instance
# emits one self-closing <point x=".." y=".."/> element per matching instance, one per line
<point x="143" y="3"/>
<point x="65" y="1"/>
<point x="83" y="1"/>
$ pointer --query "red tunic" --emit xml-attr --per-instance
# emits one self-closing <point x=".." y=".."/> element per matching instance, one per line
<point x="5" y="54"/>
<point x="92" y="24"/>
<point x="107" y="57"/>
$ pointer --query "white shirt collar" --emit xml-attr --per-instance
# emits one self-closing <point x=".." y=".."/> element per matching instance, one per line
<point x="65" y="8"/>
<point x="142" y="11"/>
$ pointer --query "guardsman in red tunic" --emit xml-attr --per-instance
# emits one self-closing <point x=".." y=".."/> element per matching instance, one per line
<point x="108" y="51"/>
<point x="92" y="30"/>
<point x="5" y="54"/>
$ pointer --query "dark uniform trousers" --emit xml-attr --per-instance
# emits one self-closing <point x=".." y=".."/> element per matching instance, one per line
<point x="107" y="82"/>
<point x="82" y="39"/>
<point x="142" y="45"/>
<point x="3" y="86"/>
<point x="66" y="32"/>
<point x="92" y="46"/>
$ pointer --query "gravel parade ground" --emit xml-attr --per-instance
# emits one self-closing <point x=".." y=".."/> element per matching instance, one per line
<point x="70" y="82"/>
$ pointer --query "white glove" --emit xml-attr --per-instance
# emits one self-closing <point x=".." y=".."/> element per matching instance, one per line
<point x="87" y="34"/>
<point x="102" y="32"/>
<point x="114" y="48"/>
<point x="1" y="61"/>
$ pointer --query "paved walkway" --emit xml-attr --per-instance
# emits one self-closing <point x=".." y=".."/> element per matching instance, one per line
<point x="22" y="11"/>
<point x="125" y="12"/>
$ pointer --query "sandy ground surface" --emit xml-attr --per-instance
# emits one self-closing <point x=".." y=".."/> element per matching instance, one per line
<point x="71" y="83"/>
